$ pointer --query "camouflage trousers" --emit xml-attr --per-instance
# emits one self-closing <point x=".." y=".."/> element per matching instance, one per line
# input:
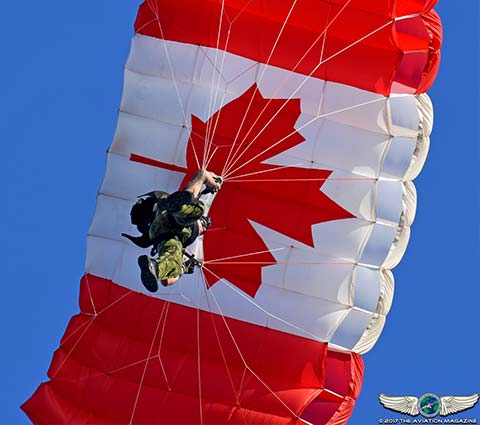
<point x="170" y="259"/>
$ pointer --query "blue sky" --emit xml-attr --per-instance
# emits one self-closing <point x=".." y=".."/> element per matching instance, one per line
<point x="62" y="79"/>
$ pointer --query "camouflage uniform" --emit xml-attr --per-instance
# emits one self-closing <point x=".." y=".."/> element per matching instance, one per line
<point x="173" y="229"/>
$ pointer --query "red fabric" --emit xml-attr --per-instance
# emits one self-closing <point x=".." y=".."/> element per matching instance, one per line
<point x="434" y="30"/>
<point x="332" y="411"/>
<point x="369" y="62"/>
<point x="100" y="373"/>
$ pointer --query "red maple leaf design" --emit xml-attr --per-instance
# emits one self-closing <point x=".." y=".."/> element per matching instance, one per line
<point x="287" y="200"/>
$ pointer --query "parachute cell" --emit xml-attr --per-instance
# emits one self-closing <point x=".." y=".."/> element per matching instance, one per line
<point x="313" y="112"/>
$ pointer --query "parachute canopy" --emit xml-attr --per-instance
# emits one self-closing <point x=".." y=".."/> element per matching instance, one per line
<point x="314" y="114"/>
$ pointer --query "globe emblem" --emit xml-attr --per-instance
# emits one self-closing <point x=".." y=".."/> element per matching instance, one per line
<point x="429" y="405"/>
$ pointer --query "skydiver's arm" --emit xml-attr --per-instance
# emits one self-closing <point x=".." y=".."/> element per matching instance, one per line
<point x="200" y="178"/>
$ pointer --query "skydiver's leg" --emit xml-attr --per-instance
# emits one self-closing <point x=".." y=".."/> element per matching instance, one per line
<point x="169" y="261"/>
<point x="166" y="267"/>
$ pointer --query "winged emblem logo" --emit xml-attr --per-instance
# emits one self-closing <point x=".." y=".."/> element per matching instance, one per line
<point x="428" y="404"/>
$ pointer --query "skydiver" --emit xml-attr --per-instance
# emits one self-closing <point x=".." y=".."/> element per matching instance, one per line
<point x="170" y="223"/>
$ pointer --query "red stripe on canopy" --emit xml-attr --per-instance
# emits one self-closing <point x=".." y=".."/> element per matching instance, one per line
<point x="365" y="47"/>
<point x="132" y="358"/>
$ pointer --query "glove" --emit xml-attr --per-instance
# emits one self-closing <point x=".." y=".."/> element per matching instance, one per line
<point x="214" y="188"/>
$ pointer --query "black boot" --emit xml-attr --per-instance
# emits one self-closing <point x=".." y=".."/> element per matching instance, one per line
<point x="148" y="273"/>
